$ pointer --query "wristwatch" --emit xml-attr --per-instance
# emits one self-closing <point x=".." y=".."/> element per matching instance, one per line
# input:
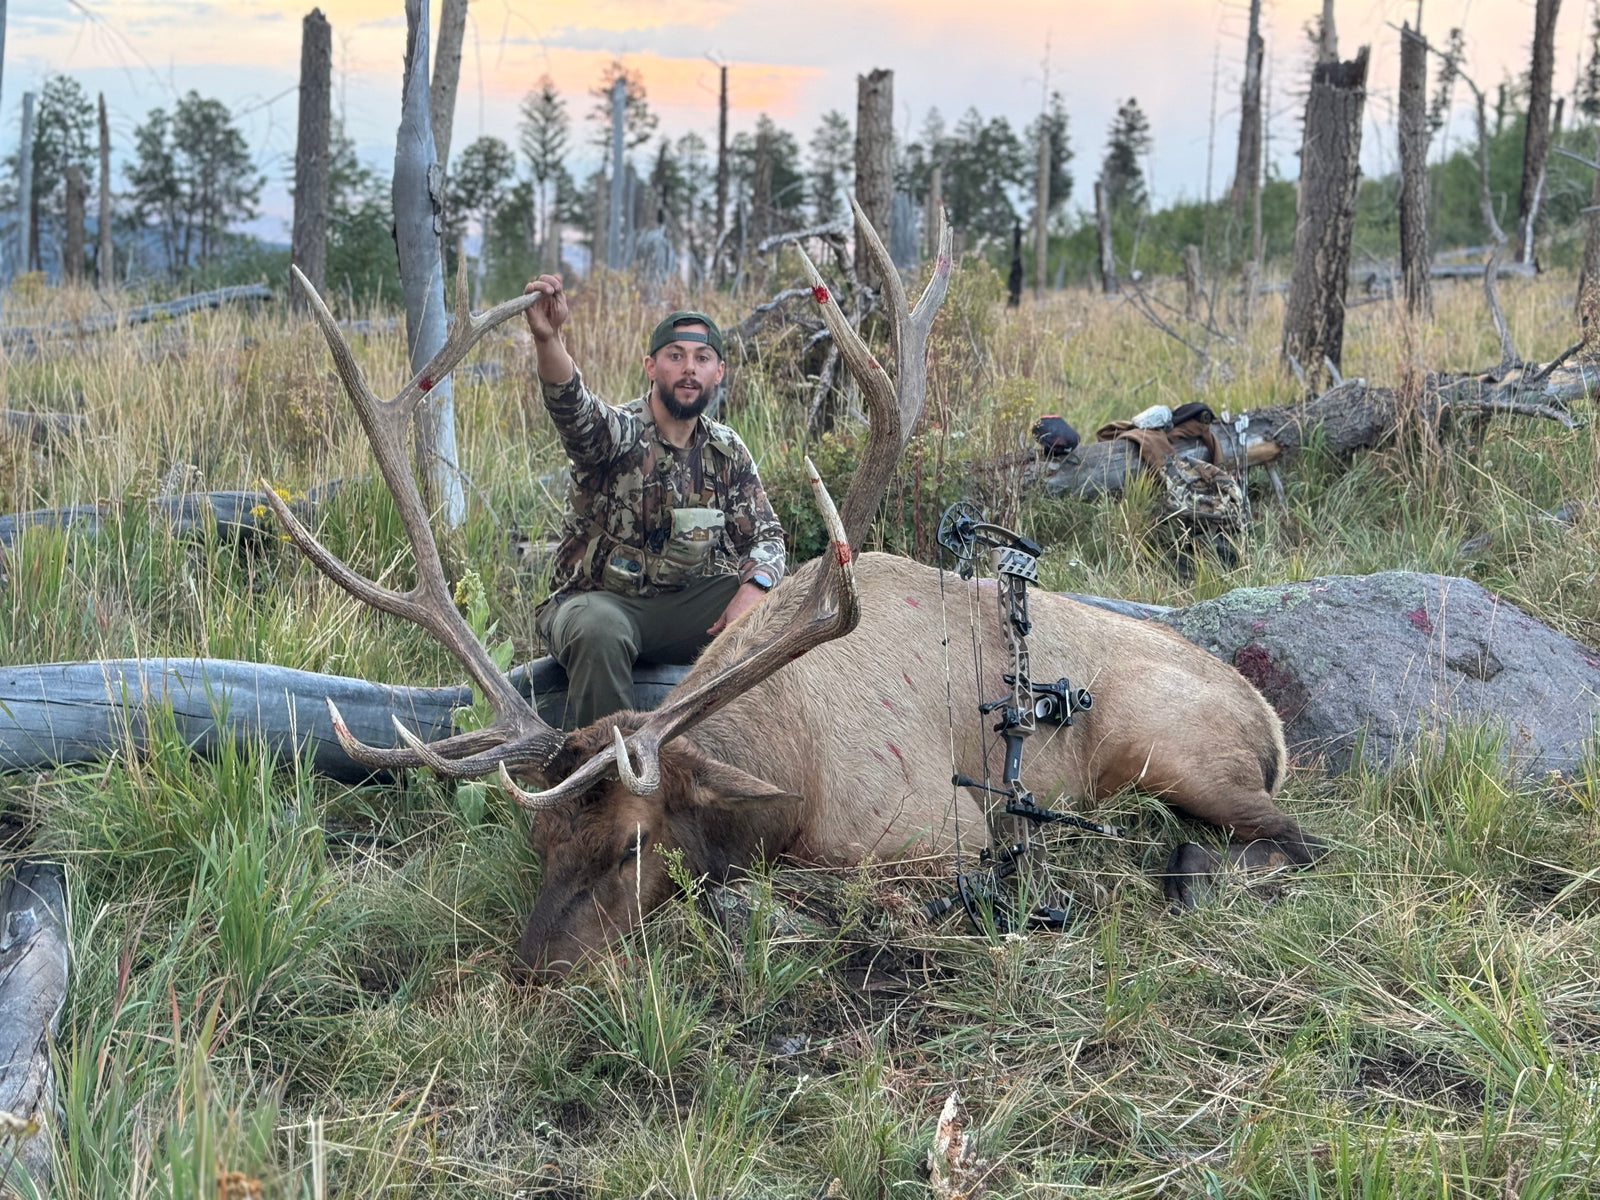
<point x="762" y="580"/>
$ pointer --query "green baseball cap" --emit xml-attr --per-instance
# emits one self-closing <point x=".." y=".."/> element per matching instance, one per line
<point x="668" y="331"/>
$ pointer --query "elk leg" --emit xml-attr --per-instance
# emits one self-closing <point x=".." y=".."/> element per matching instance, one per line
<point x="1191" y="866"/>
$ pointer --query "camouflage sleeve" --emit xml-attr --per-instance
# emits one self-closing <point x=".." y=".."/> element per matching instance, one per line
<point x="753" y="527"/>
<point x="592" y="432"/>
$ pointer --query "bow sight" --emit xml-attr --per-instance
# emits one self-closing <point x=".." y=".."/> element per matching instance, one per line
<point x="1014" y="559"/>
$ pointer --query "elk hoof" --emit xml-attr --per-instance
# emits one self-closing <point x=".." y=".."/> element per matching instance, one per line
<point x="1189" y="871"/>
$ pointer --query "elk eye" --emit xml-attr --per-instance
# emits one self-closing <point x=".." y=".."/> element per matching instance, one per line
<point x="629" y="853"/>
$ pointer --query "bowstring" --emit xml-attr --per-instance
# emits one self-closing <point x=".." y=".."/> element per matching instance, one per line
<point x="950" y="714"/>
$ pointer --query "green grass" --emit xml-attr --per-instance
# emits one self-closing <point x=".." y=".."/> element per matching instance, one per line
<point x="306" y="989"/>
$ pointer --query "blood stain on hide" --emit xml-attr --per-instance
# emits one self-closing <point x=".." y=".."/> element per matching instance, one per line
<point x="913" y="687"/>
<point x="886" y="703"/>
<point x="913" y="601"/>
<point x="1420" y="620"/>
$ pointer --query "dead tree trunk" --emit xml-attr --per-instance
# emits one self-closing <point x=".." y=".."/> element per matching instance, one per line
<point x="1589" y="278"/>
<point x="874" y="162"/>
<point x="309" y="250"/>
<point x="104" y="271"/>
<point x="1041" y="210"/>
<point x="722" y="155"/>
<point x="72" y="252"/>
<point x="1247" y="169"/>
<point x="1330" y="177"/>
<point x="1415" y="259"/>
<point x="35" y="962"/>
<point x="25" y="187"/>
<point x="446" y="75"/>
<point x="1536" y="143"/>
<point x="1102" y="220"/>
<point x="1351" y="416"/>
<point x="418" y="213"/>
<point x="1327" y="35"/>
<point x="1191" y="282"/>
<point x="930" y="223"/>
<point x="761" y="188"/>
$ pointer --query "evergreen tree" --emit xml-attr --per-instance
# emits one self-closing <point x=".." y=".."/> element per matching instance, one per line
<point x="193" y="178"/>
<point x="984" y="162"/>
<point x="543" y="135"/>
<point x="476" y="188"/>
<point x="638" y="120"/>
<point x="788" y="181"/>
<point x="1127" y="140"/>
<point x="65" y="133"/>
<point x="1587" y="100"/>
<point x="1053" y="122"/>
<point x="832" y="165"/>
<point x="361" y="257"/>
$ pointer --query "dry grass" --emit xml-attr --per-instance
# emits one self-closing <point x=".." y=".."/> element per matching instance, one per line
<point x="309" y="984"/>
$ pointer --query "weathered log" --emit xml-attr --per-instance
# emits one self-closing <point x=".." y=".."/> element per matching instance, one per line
<point x="58" y="713"/>
<point x="191" y="512"/>
<point x="29" y="335"/>
<point x="34" y="963"/>
<point x="42" y="426"/>
<point x="1349" y="417"/>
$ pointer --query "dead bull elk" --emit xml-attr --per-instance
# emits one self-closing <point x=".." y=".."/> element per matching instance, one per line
<point x="805" y="745"/>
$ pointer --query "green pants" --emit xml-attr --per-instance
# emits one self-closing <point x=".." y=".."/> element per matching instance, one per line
<point x="598" y="636"/>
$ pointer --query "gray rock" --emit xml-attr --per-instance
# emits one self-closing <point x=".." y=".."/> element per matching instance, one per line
<point x="1397" y="655"/>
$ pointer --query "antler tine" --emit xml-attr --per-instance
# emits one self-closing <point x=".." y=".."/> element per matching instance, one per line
<point x="831" y="609"/>
<point x="429" y="604"/>
<point x="465" y="333"/>
<point x="894" y="288"/>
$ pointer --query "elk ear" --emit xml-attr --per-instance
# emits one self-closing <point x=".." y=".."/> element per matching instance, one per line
<point x="716" y="781"/>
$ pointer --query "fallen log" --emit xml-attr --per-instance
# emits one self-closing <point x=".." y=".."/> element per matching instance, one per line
<point x="34" y="962"/>
<point x="190" y="512"/>
<point x="1352" y="415"/>
<point x="31" y="335"/>
<point x="53" y="714"/>
<point x="42" y="426"/>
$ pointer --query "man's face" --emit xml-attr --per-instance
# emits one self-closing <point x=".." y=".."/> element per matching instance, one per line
<point x="685" y="375"/>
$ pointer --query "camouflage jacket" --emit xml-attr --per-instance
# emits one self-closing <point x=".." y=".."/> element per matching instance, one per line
<point x="644" y="516"/>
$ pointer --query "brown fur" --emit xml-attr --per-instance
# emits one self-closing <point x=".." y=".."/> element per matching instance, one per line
<point x="846" y="753"/>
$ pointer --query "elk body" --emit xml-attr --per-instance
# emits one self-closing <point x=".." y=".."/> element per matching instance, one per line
<point x="807" y="742"/>
<point x="846" y="753"/>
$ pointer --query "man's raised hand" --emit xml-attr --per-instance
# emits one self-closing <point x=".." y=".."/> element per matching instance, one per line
<point x="546" y="318"/>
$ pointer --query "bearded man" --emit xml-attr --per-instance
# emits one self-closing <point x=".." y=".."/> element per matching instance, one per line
<point x="668" y="536"/>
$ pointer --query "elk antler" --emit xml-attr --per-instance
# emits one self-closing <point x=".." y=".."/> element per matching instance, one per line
<point x="518" y="735"/>
<point x="831" y="607"/>
<point x="893" y="407"/>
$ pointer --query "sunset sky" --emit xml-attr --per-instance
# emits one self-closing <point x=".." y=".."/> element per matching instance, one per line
<point x="791" y="60"/>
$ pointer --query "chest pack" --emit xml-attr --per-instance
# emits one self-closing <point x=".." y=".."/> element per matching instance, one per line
<point x="678" y="536"/>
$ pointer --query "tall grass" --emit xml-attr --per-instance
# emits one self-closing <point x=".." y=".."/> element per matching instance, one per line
<point x="286" y="987"/>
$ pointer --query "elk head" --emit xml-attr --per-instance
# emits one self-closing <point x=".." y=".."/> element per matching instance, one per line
<point x="621" y="788"/>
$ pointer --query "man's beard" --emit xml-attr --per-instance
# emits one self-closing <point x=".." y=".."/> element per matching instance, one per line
<point x="680" y="411"/>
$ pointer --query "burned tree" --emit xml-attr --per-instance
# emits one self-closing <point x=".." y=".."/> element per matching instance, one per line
<point x="1246" y="194"/>
<point x="72" y="254"/>
<point x="446" y="76"/>
<point x="874" y="161"/>
<point x="102" y="259"/>
<point x="1415" y="260"/>
<point x="1536" y="142"/>
<point x="1330" y="177"/>
<point x="309" y="251"/>
<point x="1102" y="220"/>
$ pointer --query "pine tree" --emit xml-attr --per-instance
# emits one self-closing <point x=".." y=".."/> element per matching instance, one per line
<point x="831" y="166"/>
<point x="1127" y="140"/>
<point x="639" y="121"/>
<point x="543" y="134"/>
<point x="1054" y="122"/>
